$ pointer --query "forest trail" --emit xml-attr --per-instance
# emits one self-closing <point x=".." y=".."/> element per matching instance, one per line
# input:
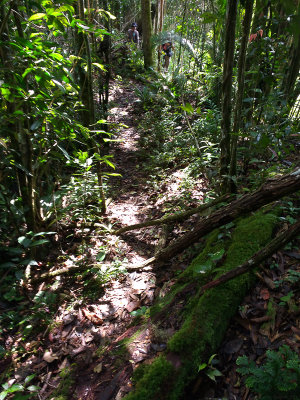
<point x="130" y="203"/>
<point x="106" y="375"/>
<point x="85" y="338"/>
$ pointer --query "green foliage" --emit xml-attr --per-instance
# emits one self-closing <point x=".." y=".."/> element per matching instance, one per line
<point x="66" y="385"/>
<point x="210" y="370"/>
<point x="83" y="191"/>
<point x="20" y="391"/>
<point x="277" y="379"/>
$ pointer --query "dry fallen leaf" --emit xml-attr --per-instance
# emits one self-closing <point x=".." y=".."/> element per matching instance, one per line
<point x="98" y="368"/>
<point x="264" y="294"/>
<point x="49" y="356"/>
<point x="93" y="317"/>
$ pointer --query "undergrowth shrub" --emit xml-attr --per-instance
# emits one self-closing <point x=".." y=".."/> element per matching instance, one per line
<point x="277" y="379"/>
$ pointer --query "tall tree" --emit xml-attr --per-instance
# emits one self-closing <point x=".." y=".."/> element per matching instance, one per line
<point x="226" y="93"/>
<point x="147" y="32"/>
<point x="240" y="91"/>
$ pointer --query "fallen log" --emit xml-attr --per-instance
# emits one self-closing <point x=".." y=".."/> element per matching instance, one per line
<point x="273" y="189"/>
<point x="177" y="217"/>
<point x="276" y="244"/>
<point x="205" y="319"/>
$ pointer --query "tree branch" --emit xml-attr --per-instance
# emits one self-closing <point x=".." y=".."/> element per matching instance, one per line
<point x="180" y="216"/>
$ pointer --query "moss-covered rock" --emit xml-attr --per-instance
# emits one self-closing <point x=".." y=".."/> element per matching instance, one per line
<point x="205" y="318"/>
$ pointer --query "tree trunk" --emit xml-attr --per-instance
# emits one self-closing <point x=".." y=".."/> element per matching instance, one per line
<point x="292" y="70"/>
<point x="182" y="26"/>
<point x="159" y="27"/>
<point x="147" y="33"/>
<point x="240" y="92"/>
<point x="271" y="190"/>
<point x="226" y="94"/>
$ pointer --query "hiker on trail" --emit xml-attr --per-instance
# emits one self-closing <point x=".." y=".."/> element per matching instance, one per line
<point x="167" y="49"/>
<point x="133" y="34"/>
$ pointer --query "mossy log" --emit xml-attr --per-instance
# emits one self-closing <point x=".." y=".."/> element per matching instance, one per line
<point x="271" y="190"/>
<point x="276" y="244"/>
<point x="205" y="318"/>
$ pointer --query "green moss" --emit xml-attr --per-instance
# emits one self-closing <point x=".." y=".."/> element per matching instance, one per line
<point x="206" y="318"/>
<point x="154" y="381"/>
<point x="64" y="389"/>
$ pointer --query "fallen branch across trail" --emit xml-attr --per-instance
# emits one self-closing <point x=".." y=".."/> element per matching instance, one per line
<point x="273" y="189"/>
<point x="177" y="217"/>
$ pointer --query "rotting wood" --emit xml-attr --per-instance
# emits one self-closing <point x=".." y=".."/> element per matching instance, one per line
<point x="163" y="237"/>
<point x="177" y="217"/>
<point x="277" y="243"/>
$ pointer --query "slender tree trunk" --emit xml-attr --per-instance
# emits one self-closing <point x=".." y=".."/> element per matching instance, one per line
<point x="147" y="33"/>
<point x="104" y="78"/>
<point x="159" y="27"/>
<point x="292" y="70"/>
<point x="182" y="24"/>
<point x="20" y="137"/>
<point x="240" y="92"/>
<point x="226" y="94"/>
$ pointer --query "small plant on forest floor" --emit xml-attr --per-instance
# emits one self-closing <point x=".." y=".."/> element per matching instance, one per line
<point x="277" y="379"/>
<point x="83" y="191"/>
<point x="292" y="277"/>
<point x="21" y="390"/>
<point x="209" y="368"/>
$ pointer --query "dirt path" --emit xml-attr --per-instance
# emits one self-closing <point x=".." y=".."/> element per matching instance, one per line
<point x="107" y="376"/>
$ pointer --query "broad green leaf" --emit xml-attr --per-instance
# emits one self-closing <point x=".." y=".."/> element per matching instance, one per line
<point x="36" y="124"/>
<point x="58" y="84"/>
<point x="3" y="395"/>
<point x="56" y="56"/>
<point x="203" y="268"/>
<point x="64" y="152"/>
<point x="37" y="16"/>
<point x="202" y="366"/>
<point x="108" y="13"/>
<point x="188" y="108"/>
<point x="27" y="71"/>
<point x="100" y="66"/>
<point x="101" y="256"/>
<point x="218" y="255"/>
<point x="211" y="358"/>
<point x="17" y="387"/>
<point x="29" y="378"/>
<point x="24" y="241"/>
<point x="106" y="161"/>
<point x="33" y="388"/>
<point x="39" y="242"/>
